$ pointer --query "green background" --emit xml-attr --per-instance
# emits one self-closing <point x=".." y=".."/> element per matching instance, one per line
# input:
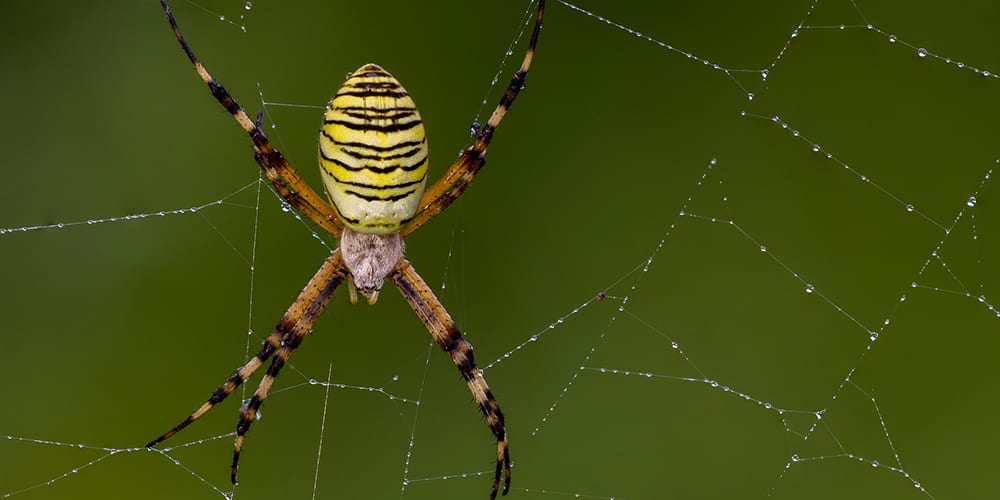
<point x="113" y="331"/>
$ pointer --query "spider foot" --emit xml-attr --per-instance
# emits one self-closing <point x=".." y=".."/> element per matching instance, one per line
<point x="503" y="468"/>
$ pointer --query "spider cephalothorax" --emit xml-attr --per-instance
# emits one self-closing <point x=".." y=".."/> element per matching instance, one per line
<point x="369" y="258"/>
<point x="373" y="158"/>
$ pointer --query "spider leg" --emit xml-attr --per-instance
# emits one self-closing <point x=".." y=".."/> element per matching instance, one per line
<point x="283" y="177"/>
<point x="308" y="306"/>
<point x="297" y="321"/>
<point x="452" y="184"/>
<point x="443" y="329"/>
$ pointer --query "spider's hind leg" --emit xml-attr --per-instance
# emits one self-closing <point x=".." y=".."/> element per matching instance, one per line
<point x="449" y="338"/>
<point x="286" y="336"/>
<point x="270" y="346"/>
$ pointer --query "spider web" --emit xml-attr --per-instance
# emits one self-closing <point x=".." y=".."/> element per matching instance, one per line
<point x="719" y="251"/>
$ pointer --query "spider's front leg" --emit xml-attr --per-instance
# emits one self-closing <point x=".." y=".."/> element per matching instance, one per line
<point x="452" y="184"/>
<point x="285" y="179"/>
<point x="443" y="329"/>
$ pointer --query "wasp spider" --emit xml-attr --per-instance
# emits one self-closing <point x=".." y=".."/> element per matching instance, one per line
<point x="373" y="159"/>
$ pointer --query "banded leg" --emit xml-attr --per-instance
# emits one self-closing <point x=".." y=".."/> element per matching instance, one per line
<point x="335" y="274"/>
<point x="283" y="177"/>
<point x="443" y="329"/>
<point x="299" y="317"/>
<point x="452" y="184"/>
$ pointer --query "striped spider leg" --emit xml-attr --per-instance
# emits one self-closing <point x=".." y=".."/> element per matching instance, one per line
<point x="452" y="184"/>
<point x="286" y="336"/>
<point x="283" y="177"/>
<point x="446" y="334"/>
<point x="373" y="157"/>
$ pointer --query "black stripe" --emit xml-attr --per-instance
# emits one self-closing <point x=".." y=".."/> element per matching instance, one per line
<point x="247" y="417"/>
<point x="374" y="110"/>
<point x="368" y="84"/>
<point x="373" y="93"/>
<point x="372" y="168"/>
<point x="374" y="114"/>
<point x="277" y="363"/>
<point x="395" y="197"/>
<point x="221" y="393"/>
<point x="365" y="127"/>
<point x="373" y="186"/>
<point x="373" y="147"/>
<point x="360" y="156"/>
<point x="401" y="223"/>
<point x="221" y="95"/>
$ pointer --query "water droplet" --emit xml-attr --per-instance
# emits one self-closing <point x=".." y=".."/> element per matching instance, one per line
<point x="795" y="33"/>
<point x="395" y="378"/>
<point x="903" y="298"/>
<point x="971" y="202"/>
<point x="873" y="336"/>
<point x="909" y="208"/>
<point x="921" y="52"/>
<point x="816" y="148"/>
<point x="750" y="96"/>
<point x="763" y="248"/>
<point x="892" y="38"/>
<point x="795" y="458"/>
<point x="874" y="463"/>
<point x="869" y="26"/>
<point x="763" y="74"/>
<point x="913" y="284"/>
<point x="248" y="5"/>
<point x="810" y="288"/>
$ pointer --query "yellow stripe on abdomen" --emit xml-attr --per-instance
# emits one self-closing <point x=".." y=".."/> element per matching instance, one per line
<point x="373" y="152"/>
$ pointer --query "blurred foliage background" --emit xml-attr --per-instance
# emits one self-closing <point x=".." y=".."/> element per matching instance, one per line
<point x="114" y="331"/>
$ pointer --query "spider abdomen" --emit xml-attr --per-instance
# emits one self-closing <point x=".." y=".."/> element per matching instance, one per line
<point x="373" y="152"/>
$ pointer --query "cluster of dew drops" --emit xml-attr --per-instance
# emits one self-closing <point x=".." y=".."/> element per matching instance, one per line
<point x="246" y="6"/>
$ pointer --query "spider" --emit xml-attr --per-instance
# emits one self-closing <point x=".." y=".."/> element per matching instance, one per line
<point x="373" y="161"/>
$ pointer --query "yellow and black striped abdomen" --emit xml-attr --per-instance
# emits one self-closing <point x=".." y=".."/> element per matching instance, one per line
<point x="373" y="152"/>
